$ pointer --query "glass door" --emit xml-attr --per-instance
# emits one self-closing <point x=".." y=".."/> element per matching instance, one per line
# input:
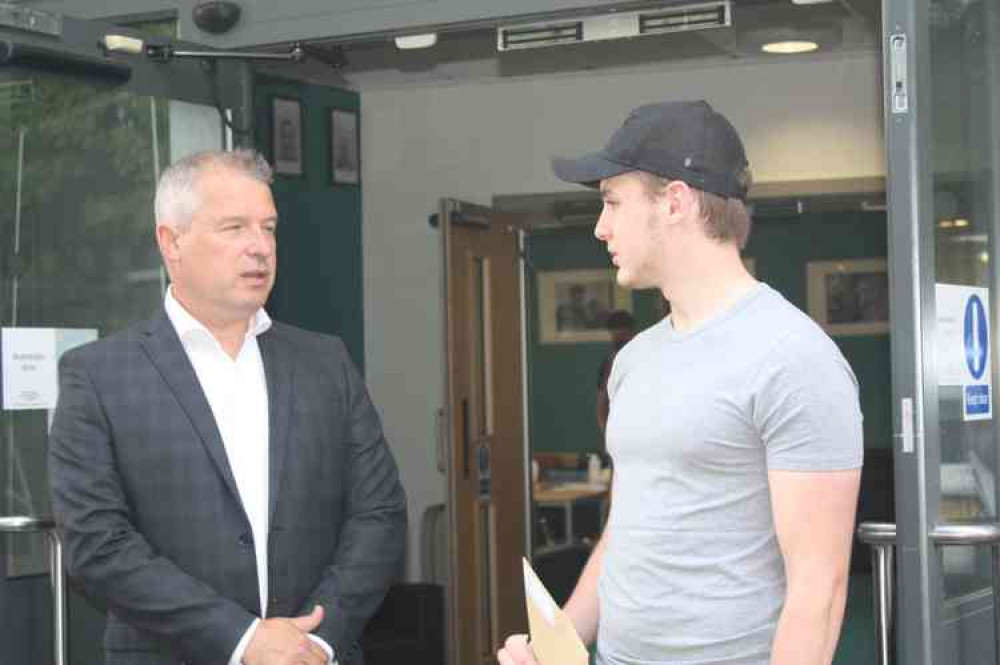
<point x="943" y="127"/>
<point x="80" y="155"/>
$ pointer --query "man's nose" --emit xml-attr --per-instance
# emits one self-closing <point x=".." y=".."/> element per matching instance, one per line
<point x="262" y="242"/>
<point x="602" y="228"/>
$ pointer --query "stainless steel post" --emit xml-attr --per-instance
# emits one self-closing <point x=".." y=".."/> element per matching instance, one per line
<point x="14" y="525"/>
<point x="882" y="538"/>
<point x="883" y="561"/>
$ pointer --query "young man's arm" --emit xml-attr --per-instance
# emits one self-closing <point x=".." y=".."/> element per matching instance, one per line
<point x="582" y="609"/>
<point x="814" y="522"/>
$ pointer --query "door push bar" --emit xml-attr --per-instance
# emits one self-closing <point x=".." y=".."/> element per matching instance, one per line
<point x="882" y="538"/>
<point x="14" y="525"/>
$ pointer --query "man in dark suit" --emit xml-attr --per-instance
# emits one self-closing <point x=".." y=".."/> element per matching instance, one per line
<point x="221" y="482"/>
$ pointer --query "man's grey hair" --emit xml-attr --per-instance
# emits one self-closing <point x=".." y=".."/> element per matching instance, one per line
<point x="177" y="196"/>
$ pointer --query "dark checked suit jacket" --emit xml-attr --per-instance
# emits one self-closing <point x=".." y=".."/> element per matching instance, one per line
<point x="151" y="518"/>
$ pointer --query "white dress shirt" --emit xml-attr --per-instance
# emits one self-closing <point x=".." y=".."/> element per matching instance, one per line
<point x="236" y="390"/>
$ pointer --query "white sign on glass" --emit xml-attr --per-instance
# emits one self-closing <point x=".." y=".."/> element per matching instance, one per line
<point x="30" y="358"/>
<point x="963" y="337"/>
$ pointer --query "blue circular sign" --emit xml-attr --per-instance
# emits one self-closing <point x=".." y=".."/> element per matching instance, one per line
<point x="977" y="337"/>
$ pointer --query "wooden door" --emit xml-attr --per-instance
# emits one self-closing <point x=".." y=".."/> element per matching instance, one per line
<point x="487" y="472"/>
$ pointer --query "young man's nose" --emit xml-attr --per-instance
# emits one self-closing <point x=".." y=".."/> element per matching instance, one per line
<point x="602" y="228"/>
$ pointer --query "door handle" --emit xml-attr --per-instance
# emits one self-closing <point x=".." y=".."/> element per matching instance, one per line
<point x="966" y="534"/>
<point x="441" y="444"/>
<point x="465" y="439"/>
<point x="882" y="538"/>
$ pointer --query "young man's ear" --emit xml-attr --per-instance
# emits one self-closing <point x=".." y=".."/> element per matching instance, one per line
<point x="678" y="199"/>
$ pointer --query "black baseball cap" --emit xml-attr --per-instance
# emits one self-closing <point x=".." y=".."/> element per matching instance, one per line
<point x="688" y="141"/>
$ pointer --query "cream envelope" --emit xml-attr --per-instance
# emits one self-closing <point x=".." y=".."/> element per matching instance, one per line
<point x="553" y="637"/>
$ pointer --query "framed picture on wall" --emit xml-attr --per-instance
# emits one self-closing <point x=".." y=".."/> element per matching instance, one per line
<point x="345" y="147"/>
<point x="573" y="305"/>
<point x="286" y="136"/>
<point x="849" y="297"/>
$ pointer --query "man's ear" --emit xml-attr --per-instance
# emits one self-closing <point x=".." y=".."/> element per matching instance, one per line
<point x="166" y="240"/>
<point x="677" y="200"/>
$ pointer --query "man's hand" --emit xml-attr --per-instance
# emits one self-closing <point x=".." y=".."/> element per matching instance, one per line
<point x="516" y="651"/>
<point x="284" y="641"/>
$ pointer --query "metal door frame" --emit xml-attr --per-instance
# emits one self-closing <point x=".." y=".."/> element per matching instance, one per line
<point x="920" y="611"/>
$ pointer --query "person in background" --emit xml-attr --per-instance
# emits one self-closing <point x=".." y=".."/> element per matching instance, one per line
<point x="220" y="481"/>
<point x="621" y="326"/>
<point x="734" y="426"/>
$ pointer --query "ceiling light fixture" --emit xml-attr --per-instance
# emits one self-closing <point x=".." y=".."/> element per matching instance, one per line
<point x="409" y="42"/>
<point x="790" y="47"/>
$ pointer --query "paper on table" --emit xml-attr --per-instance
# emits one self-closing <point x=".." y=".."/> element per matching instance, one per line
<point x="553" y="637"/>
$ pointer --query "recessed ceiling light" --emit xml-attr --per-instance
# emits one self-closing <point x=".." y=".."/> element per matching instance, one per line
<point x="407" y="42"/>
<point x="790" y="47"/>
<point x="961" y="223"/>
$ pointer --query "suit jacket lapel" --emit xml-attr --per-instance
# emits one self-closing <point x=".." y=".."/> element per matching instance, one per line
<point x="166" y="352"/>
<point x="278" y="370"/>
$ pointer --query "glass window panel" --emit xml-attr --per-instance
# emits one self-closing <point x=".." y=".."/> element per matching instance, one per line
<point x="78" y="171"/>
<point x="963" y="161"/>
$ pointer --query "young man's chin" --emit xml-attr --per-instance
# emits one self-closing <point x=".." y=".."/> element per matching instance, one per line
<point x="625" y="280"/>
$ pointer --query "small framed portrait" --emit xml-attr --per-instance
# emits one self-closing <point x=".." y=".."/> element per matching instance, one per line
<point x="573" y="305"/>
<point x="849" y="297"/>
<point x="286" y="136"/>
<point x="345" y="148"/>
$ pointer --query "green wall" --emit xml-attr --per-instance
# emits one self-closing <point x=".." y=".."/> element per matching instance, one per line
<point x="562" y="378"/>
<point x="319" y="283"/>
<point x="783" y="245"/>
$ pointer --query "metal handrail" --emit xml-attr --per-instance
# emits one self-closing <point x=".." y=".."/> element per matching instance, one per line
<point x="882" y="537"/>
<point x="46" y="525"/>
<point x="877" y="533"/>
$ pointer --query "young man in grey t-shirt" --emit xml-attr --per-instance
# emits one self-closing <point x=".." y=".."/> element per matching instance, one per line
<point x="734" y="426"/>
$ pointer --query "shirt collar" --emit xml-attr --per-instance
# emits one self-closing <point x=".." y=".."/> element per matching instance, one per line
<point x="186" y="325"/>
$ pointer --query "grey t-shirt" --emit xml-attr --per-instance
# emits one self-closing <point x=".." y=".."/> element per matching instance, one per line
<point x="692" y="572"/>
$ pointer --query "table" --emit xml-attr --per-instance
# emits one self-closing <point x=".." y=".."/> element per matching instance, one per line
<point x="564" y="495"/>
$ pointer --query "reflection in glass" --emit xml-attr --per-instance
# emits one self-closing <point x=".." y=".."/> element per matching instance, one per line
<point x="963" y="165"/>
<point x="78" y="171"/>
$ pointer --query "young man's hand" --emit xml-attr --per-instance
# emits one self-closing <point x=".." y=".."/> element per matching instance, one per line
<point x="516" y="651"/>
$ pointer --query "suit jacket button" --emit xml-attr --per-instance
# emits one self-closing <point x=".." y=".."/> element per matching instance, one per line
<point x="246" y="540"/>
